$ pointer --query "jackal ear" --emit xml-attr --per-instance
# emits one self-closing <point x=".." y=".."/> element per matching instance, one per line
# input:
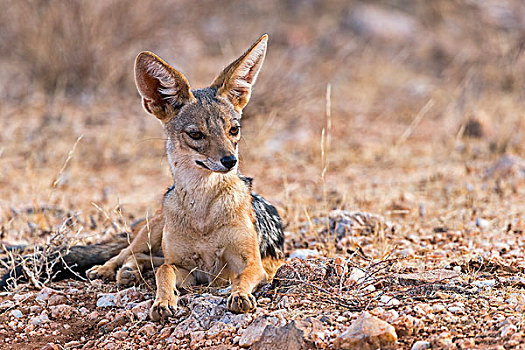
<point x="164" y="90"/>
<point x="236" y="81"/>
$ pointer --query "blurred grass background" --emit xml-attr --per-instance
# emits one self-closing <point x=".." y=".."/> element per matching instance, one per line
<point x="424" y="95"/>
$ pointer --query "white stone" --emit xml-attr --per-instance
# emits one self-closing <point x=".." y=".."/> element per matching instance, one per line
<point x="421" y="345"/>
<point x="304" y="254"/>
<point x="485" y="283"/>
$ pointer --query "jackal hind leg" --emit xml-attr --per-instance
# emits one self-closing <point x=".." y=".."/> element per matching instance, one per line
<point x="147" y="239"/>
<point x="131" y="271"/>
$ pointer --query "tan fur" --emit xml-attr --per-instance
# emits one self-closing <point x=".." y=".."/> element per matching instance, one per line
<point x="206" y="226"/>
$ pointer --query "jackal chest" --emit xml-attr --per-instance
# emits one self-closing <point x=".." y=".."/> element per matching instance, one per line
<point x="204" y="257"/>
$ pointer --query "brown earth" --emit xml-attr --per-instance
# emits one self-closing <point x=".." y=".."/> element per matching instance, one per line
<point x="411" y="205"/>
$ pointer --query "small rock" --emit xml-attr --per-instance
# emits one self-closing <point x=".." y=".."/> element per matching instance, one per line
<point x="56" y="299"/>
<point x="456" y="309"/>
<point x="121" y="335"/>
<point x="22" y="296"/>
<point x="356" y="276"/>
<point x="63" y="311"/>
<point x="366" y="332"/>
<point x="165" y="332"/>
<point x="407" y="325"/>
<point x="45" y="293"/>
<point x="483" y="224"/>
<point x="421" y="345"/>
<point x="467" y="343"/>
<point x="304" y="254"/>
<point x="148" y="329"/>
<point x="431" y="276"/>
<point x="507" y="329"/>
<point x="102" y="322"/>
<point x="6" y="305"/>
<point x="125" y="296"/>
<point x="389" y="301"/>
<point x="16" y="313"/>
<point x="264" y="301"/>
<point x="50" y="346"/>
<point x="484" y="284"/>
<point x="255" y="330"/>
<point x="197" y="339"/>
<point x="141" y="310"/>
<point x="93" y="315"/>
<point x="106" y="300"/>
<point x="423" y="309"/>
<point x="38" y="320"/>
<point x="506" y="166"/>
<point x="474" y="128"/>
<point x="72" y="344"/>
<point x="438" y="308"/>
<point x="288" y="337"/>
<point x="390" y="316"/>
<point x="442" y="340"/>
<point x="35" y="309"/>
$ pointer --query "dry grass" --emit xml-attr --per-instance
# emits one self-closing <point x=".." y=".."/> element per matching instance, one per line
<point x="392" y="143"/>
<point x="397" y="105"/>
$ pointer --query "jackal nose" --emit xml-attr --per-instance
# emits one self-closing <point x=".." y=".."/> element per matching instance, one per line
<point x="229" y="162"/>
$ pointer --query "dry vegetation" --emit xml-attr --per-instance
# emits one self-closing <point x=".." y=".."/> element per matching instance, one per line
<point x="426" y="99"/>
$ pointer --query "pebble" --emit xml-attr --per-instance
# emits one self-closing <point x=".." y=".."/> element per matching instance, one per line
<point x="16" y="313"/>
<point x="484" y="284"/>
<point x="356" y="276"/>
<point x="148" y="329"/>
<point x="141" y="310"/>
<point x="456" y="309"/>
<point x="38" y="320"/>
<point x="125" y="296"/>
<point x="367" y="332"/>
<point x="438" y="308"/>
<point x="56" y="299"/>
<point x="482" y="224"/>
<point x="304" y="254"/>
<point x="264" y="301"/>
<point x="120" y="335"/>
<point x="507" y="330"/>
<point x="45" y="293"/>
<point x="253" y="333"/>
<point x="106" y="300"/>
<point x="6" y="305"/>
<point x="423" y="309"/>
<point x="62" y="311"/>
<point x="421" y="345"/>
<point x="389" y="301"/>
<point x="407" y="325"/>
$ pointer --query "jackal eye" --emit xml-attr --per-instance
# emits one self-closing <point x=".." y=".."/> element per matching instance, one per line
<point x="196" y="135"/>
<point x="234" y="130"/>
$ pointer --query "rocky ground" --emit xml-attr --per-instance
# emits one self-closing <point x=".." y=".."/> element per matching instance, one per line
<point x="349" y="301"/>
<point x="389" y="135"/>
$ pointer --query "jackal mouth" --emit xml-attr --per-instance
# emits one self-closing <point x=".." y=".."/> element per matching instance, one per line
<point x="198" y="162"/>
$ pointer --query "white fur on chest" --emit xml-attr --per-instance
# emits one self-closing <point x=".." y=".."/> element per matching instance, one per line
<point x="197" y="211"/>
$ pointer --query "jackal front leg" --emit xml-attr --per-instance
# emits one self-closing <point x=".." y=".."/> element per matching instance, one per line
<point x="168" y="278"/>
<point x="244" y="260"/>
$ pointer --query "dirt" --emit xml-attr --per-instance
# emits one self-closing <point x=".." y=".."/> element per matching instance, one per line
<point x="389" y="135"/>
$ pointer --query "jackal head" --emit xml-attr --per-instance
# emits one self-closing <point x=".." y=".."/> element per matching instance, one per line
<point x="202" y="125"/>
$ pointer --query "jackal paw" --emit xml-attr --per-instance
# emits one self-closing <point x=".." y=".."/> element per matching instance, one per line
<point x="241" y="302"/>
<point x="163" y="308"/>
<point x="100" y="272"/>
<point x="127" y="276"/>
